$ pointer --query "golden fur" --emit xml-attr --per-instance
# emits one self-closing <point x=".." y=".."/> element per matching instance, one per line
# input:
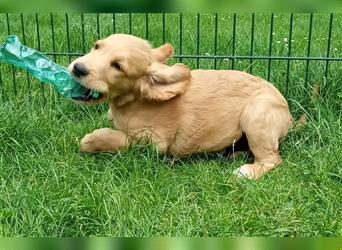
<point x="179" y="110"/>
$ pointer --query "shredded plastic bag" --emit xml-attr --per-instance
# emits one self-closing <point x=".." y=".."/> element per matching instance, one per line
<point x="44" y="69"/>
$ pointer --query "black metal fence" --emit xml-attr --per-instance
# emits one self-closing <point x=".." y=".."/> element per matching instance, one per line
<point x="291" y="50"/>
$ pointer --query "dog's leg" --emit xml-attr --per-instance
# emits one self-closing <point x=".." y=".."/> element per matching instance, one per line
<point x="103" y="140"/>
<point x="264" y="121"/>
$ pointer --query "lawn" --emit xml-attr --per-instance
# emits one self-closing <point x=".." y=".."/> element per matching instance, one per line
<point x="47" y="188"/>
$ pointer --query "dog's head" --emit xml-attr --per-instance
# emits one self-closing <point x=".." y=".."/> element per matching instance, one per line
<point x="122" y="65"/>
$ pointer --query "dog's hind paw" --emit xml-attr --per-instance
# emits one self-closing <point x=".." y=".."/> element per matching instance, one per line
<point x="246" y="171"/>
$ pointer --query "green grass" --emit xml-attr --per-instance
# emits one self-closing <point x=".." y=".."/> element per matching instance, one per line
<point x="47" y="188"/>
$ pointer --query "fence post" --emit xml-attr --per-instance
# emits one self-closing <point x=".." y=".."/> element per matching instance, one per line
<point x="252" y="45"/>
<point x="328" y="49"/>
<point x="234" y="36"/>
<point x="270" y="48"/>
<point x="289" y="55"/>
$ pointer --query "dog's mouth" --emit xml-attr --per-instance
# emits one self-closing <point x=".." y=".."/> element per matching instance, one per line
<point x="89" y="95"/>
<point x="86" y="94"/>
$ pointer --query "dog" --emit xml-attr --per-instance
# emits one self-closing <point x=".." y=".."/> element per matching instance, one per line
<point x="179" y="110"/>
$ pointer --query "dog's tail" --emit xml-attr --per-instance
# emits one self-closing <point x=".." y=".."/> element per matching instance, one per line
<point x="303" y="120"/>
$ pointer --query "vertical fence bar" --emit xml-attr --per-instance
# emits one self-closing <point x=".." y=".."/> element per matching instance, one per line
<point x="146" y="26"/>
<point x="39" y="48"/>
<point x="38" y="32"/>
<point x="130" y="23"/>
<point x="24" y="41"/>
<point x="270" y="48"/>
<point x="1" y="85"/>
<point x="83" y="33"/>
<point x="328" y="48"/>
<point x="68" y="35"/>
<point x="234" y="37"/>
<point x="198" y="38"/>
<point x="52" y="24"/>
<point x="215" y="41"/>
<point x="289" y="54"/>
<point x="252" y="44"/>
<point x="308" y="50"/>
<point x="98" y="25"/>
<point x="23" y="28"/>
<point x="13" y="69"/>
<point x="164" y="30"/>
<point x="8" y="25"/>
<point x="181" y="35"/>
<point x="114" y="22"/>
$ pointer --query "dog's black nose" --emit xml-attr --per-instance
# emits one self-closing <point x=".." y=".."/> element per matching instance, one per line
<point x="80" y="70"/>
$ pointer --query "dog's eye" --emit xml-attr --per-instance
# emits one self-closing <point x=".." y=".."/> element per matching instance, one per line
<point x="116" y="65"/>
<point x="97" y="46"/>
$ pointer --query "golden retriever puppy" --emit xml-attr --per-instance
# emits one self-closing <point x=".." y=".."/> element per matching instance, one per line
<point x="179" y="110"/>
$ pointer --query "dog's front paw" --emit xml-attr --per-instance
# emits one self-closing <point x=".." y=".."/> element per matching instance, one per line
<point x="87" y="144"/>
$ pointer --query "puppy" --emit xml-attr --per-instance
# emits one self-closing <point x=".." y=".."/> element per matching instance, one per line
<point x="179" y="110"/>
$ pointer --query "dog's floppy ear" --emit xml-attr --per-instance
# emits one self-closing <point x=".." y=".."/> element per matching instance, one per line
<point x="163" y="53"/>
<point x="164" y="82"/>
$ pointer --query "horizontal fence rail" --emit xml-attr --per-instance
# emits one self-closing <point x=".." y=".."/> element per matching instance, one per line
<point x="292" y="50"/>
<point x="231" y="57"/>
